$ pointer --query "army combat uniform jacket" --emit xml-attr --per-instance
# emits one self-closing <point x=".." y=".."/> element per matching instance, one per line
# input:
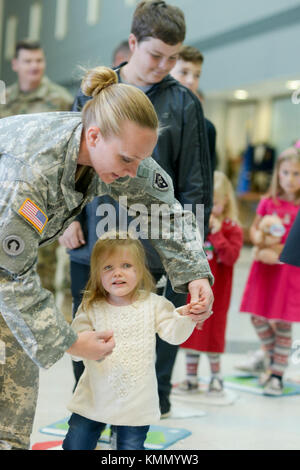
<point x="39" y="199"/>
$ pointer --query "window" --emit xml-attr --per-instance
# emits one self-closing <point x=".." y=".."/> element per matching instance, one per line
<point x="10" y="37"/>
<point x="35" y="20"/>
<point x="93" y="12"/>
<point x="61" y="20"/>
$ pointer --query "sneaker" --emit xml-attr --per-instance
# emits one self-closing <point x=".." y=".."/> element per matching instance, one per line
<point x="273" y="387"/>
<point x="255" y="362"/>
<point x="215" y="387"/>
<point x="187" y="387"/>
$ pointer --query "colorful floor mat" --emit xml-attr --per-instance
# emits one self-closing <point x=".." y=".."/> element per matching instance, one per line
<point x="159" y="437"/>
<point x="249" y="383"/>
<point x="47" y="445"/>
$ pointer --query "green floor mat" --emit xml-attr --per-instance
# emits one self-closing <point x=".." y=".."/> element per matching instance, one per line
<point x="249" y="383"/>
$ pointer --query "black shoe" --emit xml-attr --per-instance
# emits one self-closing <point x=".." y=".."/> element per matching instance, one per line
<point x="165" y="406"/>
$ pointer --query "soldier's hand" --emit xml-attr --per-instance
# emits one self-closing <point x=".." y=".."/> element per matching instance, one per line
<point x="93" y="345"/>
<point x="72" y="237"/>
<point x="201" y="294"/>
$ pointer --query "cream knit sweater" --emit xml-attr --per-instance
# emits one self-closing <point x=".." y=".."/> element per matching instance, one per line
<point x="122" y="388"/>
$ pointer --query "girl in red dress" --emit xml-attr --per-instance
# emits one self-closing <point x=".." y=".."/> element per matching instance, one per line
<point x="222" y="247"/>
<point x="272" y="294"/>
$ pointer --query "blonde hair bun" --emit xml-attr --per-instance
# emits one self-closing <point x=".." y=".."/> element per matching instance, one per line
<point x="95" y="80"/>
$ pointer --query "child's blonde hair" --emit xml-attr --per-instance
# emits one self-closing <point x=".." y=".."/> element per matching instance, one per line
<point x="114" y="103"/>
<point x="223" y="189"/>
<point x="290" y="154"/>
<point x="108" y="245"/>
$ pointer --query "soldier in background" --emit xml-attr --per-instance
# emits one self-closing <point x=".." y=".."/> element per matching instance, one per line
<point x="33" y="92"/>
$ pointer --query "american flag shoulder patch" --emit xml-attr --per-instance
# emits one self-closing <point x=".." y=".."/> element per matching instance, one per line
<point x="31" y="212"/>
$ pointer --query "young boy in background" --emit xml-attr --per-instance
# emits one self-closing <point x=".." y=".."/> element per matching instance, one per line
<point x="187" y="71"/>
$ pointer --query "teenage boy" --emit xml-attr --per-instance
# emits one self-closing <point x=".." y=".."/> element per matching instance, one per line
<point x="187" y="71"/>
<point x="157" y="33"/>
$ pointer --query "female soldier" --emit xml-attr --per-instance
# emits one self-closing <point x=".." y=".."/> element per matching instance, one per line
<point x="51" y="165"/>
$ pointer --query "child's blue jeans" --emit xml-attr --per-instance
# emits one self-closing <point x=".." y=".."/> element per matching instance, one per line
<point x="83" y="434"/>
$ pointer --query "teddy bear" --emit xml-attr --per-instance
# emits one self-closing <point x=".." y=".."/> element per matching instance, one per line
<point x="267" y="239"/>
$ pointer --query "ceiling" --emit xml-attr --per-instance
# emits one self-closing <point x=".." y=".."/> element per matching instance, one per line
<point x="260" y="90"/>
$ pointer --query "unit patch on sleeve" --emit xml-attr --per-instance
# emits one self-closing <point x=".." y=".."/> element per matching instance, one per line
<point x="31" y="212"/>
<point x="159" y="182"/>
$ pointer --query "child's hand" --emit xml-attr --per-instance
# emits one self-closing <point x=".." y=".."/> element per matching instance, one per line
<point x="195" y="307"/>
<point x="191" y="308"/>
<point x="197" y="312"/>
<point x="214" y="224"/>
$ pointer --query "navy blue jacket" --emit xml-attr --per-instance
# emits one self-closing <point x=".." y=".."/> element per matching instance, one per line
<point x="291" y="250"/>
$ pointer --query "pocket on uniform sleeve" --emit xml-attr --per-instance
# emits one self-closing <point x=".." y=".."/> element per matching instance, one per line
<point x="18" y="246"/>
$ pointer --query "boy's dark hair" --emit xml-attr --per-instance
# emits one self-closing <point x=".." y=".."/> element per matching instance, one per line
<point x="190" y="54"/>
<point x="158" y="20"/>
<point x="28" y="45"/>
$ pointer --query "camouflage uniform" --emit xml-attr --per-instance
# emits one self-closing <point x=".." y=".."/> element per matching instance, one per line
<point x="47" y="97"/>
<point x="38" y="161"/>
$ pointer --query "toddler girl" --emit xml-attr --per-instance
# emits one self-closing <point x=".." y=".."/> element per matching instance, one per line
<point x="122" y="389"/>
<point x="222" y="247"/>
<point x="272" y="294"/>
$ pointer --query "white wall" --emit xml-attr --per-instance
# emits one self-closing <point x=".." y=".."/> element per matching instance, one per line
<point x="272" y="55"/>
<point x="205" y="19"/>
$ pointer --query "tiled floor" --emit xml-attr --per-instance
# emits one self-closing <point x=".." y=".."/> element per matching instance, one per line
<point x="251" y="422"/>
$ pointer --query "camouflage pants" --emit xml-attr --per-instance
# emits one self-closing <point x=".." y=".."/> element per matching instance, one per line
<point x="19" y="380"/>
